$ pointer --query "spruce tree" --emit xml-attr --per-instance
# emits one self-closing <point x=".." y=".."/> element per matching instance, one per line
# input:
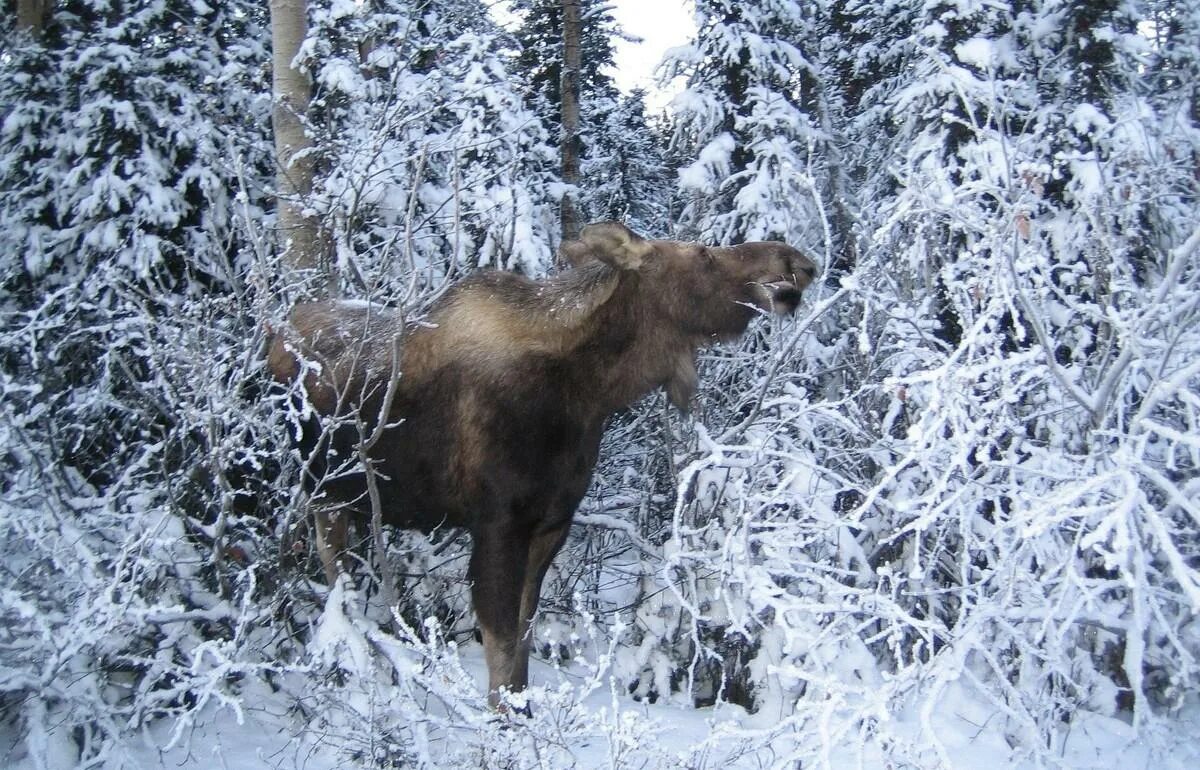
<point x="626" y="171"/>
<point x="540" y="57"/>
<point x="117" y="136"/>
<point x="743" y="125"/>
<point x="430" y="158"/>
<point x="540" y="63"/>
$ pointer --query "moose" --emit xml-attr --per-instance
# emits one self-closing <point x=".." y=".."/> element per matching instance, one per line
<point x="488" y="414"/>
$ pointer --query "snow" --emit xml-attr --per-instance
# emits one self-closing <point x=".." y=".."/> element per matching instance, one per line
<point x="1087" y="119"/>
<point x="342" y="76"/>
<point x="977" y="52"/>
<point x="602" y="729"/>
<point x="713" y="162"/>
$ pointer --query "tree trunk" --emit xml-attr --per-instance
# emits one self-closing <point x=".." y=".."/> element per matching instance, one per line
<point x="303" y="244"/>
<point x="572" y="62"/>
<point x="31" y="15"/>
<point x="737" y="91"/>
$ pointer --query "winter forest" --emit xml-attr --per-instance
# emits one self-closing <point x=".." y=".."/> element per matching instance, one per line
<point x="947" y="515"/>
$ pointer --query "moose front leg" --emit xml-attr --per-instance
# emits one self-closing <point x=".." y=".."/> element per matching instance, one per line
<point x="543" y="547"/>
<point x="497" y="575"/>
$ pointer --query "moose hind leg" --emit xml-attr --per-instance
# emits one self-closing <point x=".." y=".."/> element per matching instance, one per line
<point x="331" y="527"/>
<point x="497" y="574"/>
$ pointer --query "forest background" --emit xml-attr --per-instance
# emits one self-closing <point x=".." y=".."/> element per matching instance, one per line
<point x="951" y="510"/>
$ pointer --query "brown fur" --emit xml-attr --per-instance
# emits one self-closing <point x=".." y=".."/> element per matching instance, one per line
<point x="495" y="422"/>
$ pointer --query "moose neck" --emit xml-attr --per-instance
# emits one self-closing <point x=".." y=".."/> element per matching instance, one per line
<point x="632" y="347"/>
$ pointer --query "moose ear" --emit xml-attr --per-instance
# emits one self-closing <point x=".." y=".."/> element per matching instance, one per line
<point x="612" y="243"/>
<point x="575" y="253"/>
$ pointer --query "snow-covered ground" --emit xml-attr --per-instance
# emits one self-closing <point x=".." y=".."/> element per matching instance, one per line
<point x="578" y="724"/>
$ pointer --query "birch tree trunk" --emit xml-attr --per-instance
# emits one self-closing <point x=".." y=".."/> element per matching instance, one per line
<point x="572" y="62"/>
<point x="304" y="251"/>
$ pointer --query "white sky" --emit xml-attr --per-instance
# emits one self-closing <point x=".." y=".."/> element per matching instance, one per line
<point x="662" y="24"/>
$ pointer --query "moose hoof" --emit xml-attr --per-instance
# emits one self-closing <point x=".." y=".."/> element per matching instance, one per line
<point x="509" y="703"/>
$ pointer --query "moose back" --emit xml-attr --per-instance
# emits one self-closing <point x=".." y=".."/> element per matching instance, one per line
<point x="489" y="414"/>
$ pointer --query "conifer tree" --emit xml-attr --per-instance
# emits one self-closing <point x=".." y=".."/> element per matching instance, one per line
<point x="540" y="56"/>
<point x="626" y="172"/>
<point x="116" y="141"/>
<point x="540" y="62"/>
<point x="426" y="136"/>
<point x="743" y="125"/>
<point x="135" y="147"/>
<point x="569" y="92"/>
